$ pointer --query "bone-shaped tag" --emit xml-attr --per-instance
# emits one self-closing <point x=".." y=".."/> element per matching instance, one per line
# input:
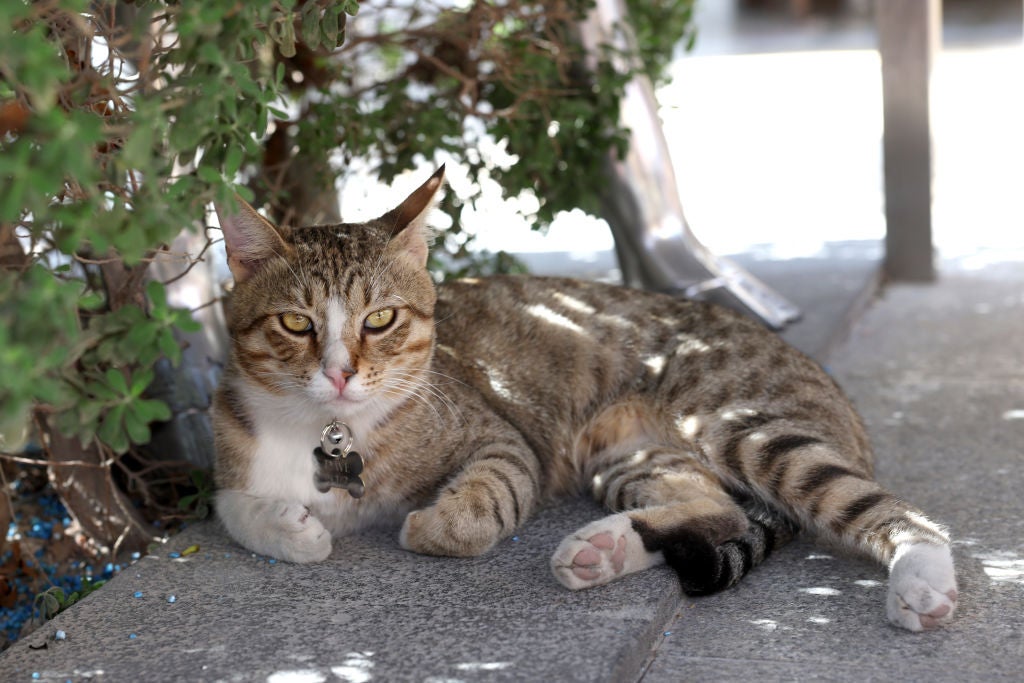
<point x="338" y="466"/>
<point x="337" y="470"/>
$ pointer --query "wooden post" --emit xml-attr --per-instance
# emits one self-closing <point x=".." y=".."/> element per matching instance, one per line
<point x="909" y="37"/>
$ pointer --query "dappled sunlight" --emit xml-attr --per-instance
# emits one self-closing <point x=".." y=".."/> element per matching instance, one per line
<point x="689" y="425"/>
<point x="447" y="350"/>
<point x="573" y="303"/>
<point x="690" y="345"/>
<point x="765" y="624"/>
<point x="483" y="666"/>
<point x="501" y="386"/>
<point x="1003" y="566"/>
<point x="554" y="317"/>
<point x="301" y="676"/>
<point x="615" y="320"/>
<point x="655" y="364"/>
<point x="355" y="669"/>
<point x="640" y="456"/>
<point x="498" y="385"/>
<point x="737" y="414"/>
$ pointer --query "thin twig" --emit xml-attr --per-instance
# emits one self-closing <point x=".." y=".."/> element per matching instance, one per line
<point x="10" y="457"/>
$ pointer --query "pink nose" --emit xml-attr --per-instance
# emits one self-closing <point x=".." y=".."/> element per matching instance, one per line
<point x="339" y="377"/>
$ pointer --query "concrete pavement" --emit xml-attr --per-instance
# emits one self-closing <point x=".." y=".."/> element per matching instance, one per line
<point x="938" y="372"/>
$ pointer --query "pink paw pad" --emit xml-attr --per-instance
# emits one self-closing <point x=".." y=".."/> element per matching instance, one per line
<point x="586" y="564"/>
<point x="934" y="619"/>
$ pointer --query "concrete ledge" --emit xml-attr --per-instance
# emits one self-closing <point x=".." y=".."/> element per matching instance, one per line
<point x="372" y="610"/>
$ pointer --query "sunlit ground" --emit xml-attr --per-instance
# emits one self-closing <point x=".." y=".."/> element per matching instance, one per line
<point x="779" y="153"/>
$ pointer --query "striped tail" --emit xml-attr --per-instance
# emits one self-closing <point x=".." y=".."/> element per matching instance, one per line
<point x="704" y="568"/>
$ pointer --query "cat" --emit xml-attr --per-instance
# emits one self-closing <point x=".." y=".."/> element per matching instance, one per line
<point x="472" y="402"/>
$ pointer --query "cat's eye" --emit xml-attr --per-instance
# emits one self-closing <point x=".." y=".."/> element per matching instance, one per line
<point x="296" y="322"/>
<point x="378" y="320"/>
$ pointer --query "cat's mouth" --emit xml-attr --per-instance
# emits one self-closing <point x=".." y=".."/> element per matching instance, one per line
<point x="345" y="398"/>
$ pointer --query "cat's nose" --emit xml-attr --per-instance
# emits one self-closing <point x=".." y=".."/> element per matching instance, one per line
<point x="339" y="377"/>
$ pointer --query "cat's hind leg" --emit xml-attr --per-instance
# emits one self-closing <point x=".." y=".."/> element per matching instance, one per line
<point x="276" y="528"/>
<point x="602" y="551"/>
<point x="675" y="510"/>
<point x="823" y="482"/>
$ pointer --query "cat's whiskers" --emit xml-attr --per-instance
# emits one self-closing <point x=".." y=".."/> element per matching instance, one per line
<point x="424" y="391"/>
<point x="406" y="394"/>
<point x="438" y="321"/>
<point x="415" y="390"/>
<point x="376" y="273"/>
<point x="302" y="283"/>
<point x="453" y="380"/>
<point x="431" y="388"/>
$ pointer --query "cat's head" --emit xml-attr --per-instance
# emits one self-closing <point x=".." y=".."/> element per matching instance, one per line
<point x="335" y="319"/>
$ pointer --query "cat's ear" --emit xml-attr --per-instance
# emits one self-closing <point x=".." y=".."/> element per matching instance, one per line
<point x="408" y="221"/>
<point x="249" y="238"/>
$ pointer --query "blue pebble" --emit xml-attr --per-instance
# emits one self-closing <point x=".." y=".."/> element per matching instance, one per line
<point x="172" y="599"/>
<point x="515" y="539"/>
<point x="138" y="594"/>
<point x="271" y="561"/>
<point x="667" y="633"/>
<point x="132" y="636"/>
<point x="60" y="635"/>
<point x="35" y="676"/>
<point x="136" y="555"/>
<point x="174" y="556"/>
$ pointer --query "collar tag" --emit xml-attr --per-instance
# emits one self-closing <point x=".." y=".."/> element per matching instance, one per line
<point x="338" y="466"/>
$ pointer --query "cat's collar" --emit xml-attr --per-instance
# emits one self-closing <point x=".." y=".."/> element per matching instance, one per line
<point x="338" y="466"/>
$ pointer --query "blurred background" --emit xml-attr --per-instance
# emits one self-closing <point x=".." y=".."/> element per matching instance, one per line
<point x="774" y="122"/>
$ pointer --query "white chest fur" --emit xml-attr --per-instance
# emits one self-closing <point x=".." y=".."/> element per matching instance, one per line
<point x="283" y="468"/>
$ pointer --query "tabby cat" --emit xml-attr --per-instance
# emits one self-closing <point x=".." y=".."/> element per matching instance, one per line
<point x="470" y="403"/>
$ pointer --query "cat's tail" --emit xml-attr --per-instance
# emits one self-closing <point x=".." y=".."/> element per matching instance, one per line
<point x="705" y="568"/>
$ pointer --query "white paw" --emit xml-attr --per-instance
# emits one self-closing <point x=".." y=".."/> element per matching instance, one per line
<point x="600" y="552"/>
<point x="922" y="587"/>
<point x="286" y="531"/>
<point x="303" y="537"/>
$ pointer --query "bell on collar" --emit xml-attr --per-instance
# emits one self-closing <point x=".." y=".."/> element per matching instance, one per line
<point x="338" y="466"/>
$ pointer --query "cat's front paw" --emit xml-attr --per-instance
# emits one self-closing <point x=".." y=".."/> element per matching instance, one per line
<point x="922" y="588"/>
<point x="600" y="552"/>
<point x="304" y="538"/>
<point x="445" y="530"/>
<point x="280" y="529"/>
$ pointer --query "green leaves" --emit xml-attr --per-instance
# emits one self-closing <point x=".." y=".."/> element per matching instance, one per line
<point x="198" y="503"/>
<point x="321" y="26"/>
<point x="114" y="156"/>
<point x="54" y="600"/>
<point x="108" y="397"/>
<point x="111" y="407"/>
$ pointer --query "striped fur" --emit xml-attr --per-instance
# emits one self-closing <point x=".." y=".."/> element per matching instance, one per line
<point x="708" y="439"/>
